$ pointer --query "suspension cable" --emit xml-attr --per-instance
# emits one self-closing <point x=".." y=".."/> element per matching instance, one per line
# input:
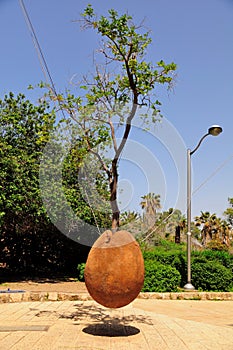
<point x="227" y="160"/>
<point x="37" y="46"/>
<point x="48" y="77"/>
<point x="89" y="203"/>
<point x="157" y="227"/>
<point x="41" y="57"/>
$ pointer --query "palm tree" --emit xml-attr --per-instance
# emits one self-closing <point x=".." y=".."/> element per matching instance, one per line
<point x="128" y="217"/>
<point x="131" y="221"/>
<point x="211" y="226"/>
<point x="150" y="204"/>
<point x="226" y="229"/>
<point x="229" y="212"/>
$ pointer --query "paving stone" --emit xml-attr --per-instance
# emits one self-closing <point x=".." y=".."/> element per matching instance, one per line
<point x="147" y="324"/>
<point x="25" y="328"/>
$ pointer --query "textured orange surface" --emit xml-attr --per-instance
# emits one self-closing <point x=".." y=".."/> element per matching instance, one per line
<point x="114" y="272"/>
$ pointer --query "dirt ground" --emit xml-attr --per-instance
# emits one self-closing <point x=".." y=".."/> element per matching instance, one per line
<point x="70" y="285"/>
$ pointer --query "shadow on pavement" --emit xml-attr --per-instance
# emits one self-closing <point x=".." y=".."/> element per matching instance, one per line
<point x="104" y="315"/>
<point x="111" y="330"/>
<point x="103" y="321"/>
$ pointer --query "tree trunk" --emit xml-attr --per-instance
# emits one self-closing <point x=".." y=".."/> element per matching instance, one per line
<point x="113" y="197"/>
<point x="113" y="175"/>
<point x="177" y="235"/>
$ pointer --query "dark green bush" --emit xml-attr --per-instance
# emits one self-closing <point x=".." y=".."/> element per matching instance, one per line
<point x="163" y="256"/>
<point x="200" y="259"/>
<point x="170" y="254"/>
<point x="81" y="268"/>
<point x="180" y="264"/>
<point x="224" y="258"/>
<point x="166" y="269"/>
<point x="160" y="278"/>
<point x="211" y="276"/>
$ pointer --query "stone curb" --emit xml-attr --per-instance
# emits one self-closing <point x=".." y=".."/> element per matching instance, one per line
<point x="9" y="297"/>
<point x="188" y="296"/>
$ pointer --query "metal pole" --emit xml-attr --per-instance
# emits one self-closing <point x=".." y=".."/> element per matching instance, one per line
<point x="189" y="285"/>
<point x="215" y="130"/>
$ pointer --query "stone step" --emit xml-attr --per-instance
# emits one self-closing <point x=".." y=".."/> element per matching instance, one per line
<point x="12" y="296"/>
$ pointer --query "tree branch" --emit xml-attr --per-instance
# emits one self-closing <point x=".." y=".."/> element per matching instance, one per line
<point x="127" y="128"/>
<point x="103" y="164"/>
<point x="113" y="135"/>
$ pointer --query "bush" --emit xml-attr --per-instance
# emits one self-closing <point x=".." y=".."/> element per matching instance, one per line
<point x="200" y="259"/>
<point x="81" y="268"/>
<point x="224" y="258"/>
<point x="166" y="269"/>
<point x="169" y="254"/>
<point x="160" y="277"/>
<point x="211" y="276"/>
<point x="163" y="256"/>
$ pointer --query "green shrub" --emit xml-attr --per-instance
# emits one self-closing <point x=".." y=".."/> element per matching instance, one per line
<point x="200" y="259"/>
<point x="180" y="264"/>
<point x="81" y="268"/>
<point x="166" y="269"/>
<point x="163" y="256"/>
<point x="211" y="276"/>
<point x="224" y="258"/>
<point x="160" y="277"/>
<point x="170" y="254"/>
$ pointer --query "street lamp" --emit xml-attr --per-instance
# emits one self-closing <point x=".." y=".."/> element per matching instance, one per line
<point x="214" y="130"/>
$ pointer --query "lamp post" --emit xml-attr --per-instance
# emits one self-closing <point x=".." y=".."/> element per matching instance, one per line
<point x="214" y="130"/>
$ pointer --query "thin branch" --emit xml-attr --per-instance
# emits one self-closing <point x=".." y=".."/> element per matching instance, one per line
<point x="113" y="135"/>
<point x="111" y="59"/>
<point x="100" y="120"/>
<point x="104" y="166"/>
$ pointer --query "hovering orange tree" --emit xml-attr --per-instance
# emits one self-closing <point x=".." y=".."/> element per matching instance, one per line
<point x="123" y="81"/>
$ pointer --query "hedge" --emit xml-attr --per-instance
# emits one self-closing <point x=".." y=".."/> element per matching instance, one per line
<point x="160" y="277"/>
<point x="211" y="276"/>
<point x="166" y="269"/>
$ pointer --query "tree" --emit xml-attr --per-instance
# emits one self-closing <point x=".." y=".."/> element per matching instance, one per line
<point x="24" y="131"/>
<point x="128" y="217"/>
<point x="229" y="212"/>
<point x="131" y="221"/>
<point x="77" y="190"/>
<point x="28" y="238"/>
<point x="167" y="223"/>
<point x="150" y="204"/>
<point x="122" y="83"/>
<point x="208" y="222"/>
<point x="214" y="230"/>
<point x="226" y="230"/>
<point x="174" y="220"/>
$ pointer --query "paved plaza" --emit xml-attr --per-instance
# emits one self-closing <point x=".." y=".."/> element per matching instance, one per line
<point x="144" y="324"/>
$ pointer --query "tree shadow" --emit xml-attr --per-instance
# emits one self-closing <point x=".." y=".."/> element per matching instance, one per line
<point x="98" y="313"/>
<point x="104" y="322"/>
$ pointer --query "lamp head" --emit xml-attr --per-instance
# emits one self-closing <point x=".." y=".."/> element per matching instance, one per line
<point x="215" y="130"/>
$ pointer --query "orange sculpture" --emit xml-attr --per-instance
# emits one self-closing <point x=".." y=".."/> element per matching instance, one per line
<point x="114" y="272"/>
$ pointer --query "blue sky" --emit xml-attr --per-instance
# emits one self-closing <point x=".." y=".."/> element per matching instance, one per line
<point x="196" y="35"/>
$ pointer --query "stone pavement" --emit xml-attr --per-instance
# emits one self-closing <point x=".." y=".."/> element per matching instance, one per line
<point x="144" y="324"/>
